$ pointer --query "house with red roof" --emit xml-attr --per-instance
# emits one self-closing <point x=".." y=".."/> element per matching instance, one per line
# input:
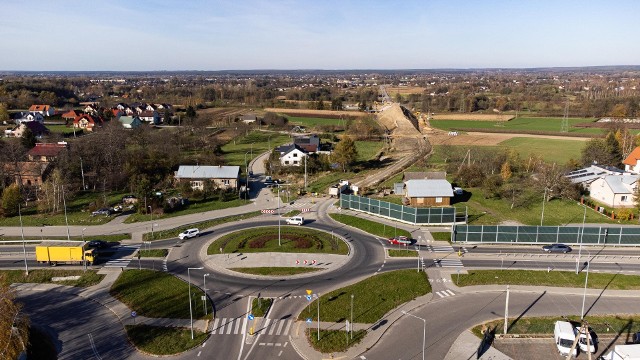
<point x="46" y="152"/>
<point x="44" y="110"/>
<point x="70" y="115"/>
<point x="632" y="162"/>
<point x="86" y="122"/>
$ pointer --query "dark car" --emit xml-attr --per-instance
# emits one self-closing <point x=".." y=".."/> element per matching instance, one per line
<point x="557" y="248"/>
<point x="97" y="244"/>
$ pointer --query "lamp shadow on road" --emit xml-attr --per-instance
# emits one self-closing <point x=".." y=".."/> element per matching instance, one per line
<point x="626" y="328"/>
<point x="601" y="292"/>
<point x="525" y="311"/>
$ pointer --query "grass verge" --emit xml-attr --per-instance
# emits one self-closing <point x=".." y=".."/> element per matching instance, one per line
<point x="158" y="294"/>
<point x="373" y="297"/>
<point x="276" y="271"/>
<point x="369" y="226"/>
<point x="43" y="276"/>
<point x="154" y="253"/>
<point x="334" y="340"/>
<point x="606" y="324"/>
<point x="109" y="238"/>
<point x="291" y="213"/>
<point x="402" y="253"/>
<point x="159" y="340"/>
<point x="441" y="236"/>
<point x="553" y="278"/>
<point x="292" y="239"/>
<point x="193" y="208"/>
<point x="260" y="306"/>
<point x="169" y="233"/>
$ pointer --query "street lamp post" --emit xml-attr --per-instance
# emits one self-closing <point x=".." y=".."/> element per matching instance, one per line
<point x="279" y="241"/>
<point x="584" y="294"/>
<point x="544" y="199"/>
<point x="584" y="217"/>
<point x="24" y="246"/>
<point x="190" y="307"/>
<point x="351" y="326"/>
<point x="246" y="167"/>
<point x="204" y="285"/>
<point x="151" y="212"/>
<point x="84" y="262"/>
<point x="424" y="333"/>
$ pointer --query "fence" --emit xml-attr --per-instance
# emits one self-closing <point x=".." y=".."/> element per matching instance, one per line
<point x="436" y="215"/>
<point x="601" y="235"/>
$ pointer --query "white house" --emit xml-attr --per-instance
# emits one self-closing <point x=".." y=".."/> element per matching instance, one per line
<point x="615" y="190"/>
<point x="150" y="117"/>
<point x="44" y="110"/>
<point x="30" y="116"/>
<point x="224" y="177"/>
<point x="291" y="155"/>
<point x="632" y="162"/>
<point x="586" y="176"/>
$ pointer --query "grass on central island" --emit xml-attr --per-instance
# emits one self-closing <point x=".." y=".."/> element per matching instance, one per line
<point x="158" y="294"/>
<point x="552" y="278"/>
<point x="276" y="271"/>
<point x="292" y="239"/>
<point x="373" y="297"/>
<point x="402" y="253"/>
<point x="159" y="340"/>
<point x="260" y="306"/>
<point x="369" y="226"/>
<point x="154" y="253"/>
<point x="333" y="340"/>
<point x="43" y="276"/>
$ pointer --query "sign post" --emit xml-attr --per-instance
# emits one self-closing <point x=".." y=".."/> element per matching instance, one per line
<point x="133" y="315"/>
<point x="251" y="317"/>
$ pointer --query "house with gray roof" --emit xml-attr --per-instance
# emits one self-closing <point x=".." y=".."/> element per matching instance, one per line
<point x="586" y="176"/>
<point x="616" y="191"/>
<point x="223" y="177"/>
<point x="130" y="122"/>
<point x="428" y="192"/>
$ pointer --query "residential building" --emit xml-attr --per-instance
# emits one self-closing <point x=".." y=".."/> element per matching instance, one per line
<point x="616" y="191"/>
<point x="249" y="118"/>
<point x="428" y="192"/>
<point x="291" y="155"/>
<point x="28" y="173"/>
<point x="37" y="129"/>
<point x="586" y="176"/>
<point x="70" y="115"/>
<point x="224" y="177"/>
<point x="632" y="162"/>
<point x="86" y="122"/>
<point x="421" y="175"/>
<point x="44" y="110"/>
<point x="310" y="144"/>
<point x="46" y="152"/>
<point x="23" y="117"/>
<point x="150" y="116"/>
<point x="130" y="122"/>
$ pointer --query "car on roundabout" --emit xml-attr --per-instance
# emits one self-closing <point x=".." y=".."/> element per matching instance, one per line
<point x="296" y="220"/>
<point x="557" y="248"/>
<point x="189" y="233"/>
<point x="400" y="240"/>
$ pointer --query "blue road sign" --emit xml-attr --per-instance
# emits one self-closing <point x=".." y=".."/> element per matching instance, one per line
<point x="308" y="297"/>
<point x="134" y="314"/>
<point x="251" y="317"/>
<point x="309" y="321"/>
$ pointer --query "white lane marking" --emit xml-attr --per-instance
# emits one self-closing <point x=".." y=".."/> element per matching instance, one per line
<point x="93" y="346"/>
<point x="230" y="325"/>
<point x="215" y="325"/>
<point x="266" y="325"/>
<point x="286" y="329"/>
<point x="235" y="331"/>
<point x="273" y="327"/>
<point x="244" y="325"/>
<point x="280" y="353"/>
<point x="450" y="292"/>
<point x="204" y="344"/>
<point x="244" y="333"/>
<point x="199" y="352"/>
<point x="279" y="331"/>
<point x="285" y="344"/>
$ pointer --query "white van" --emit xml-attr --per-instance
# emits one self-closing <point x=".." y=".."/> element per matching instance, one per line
<point x="583" y="341"/>
<point x="296" y="220"/>
<point x="564" y="334"/>
<point x="624" y="352"/>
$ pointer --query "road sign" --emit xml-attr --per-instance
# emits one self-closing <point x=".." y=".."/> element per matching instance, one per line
<point x="251" y="317"/>
<point x="308" y="297"/>
<point x="309" y="292"/>
<point x="314" y="262"/>
<point x="203" y="297"/>
<point x="297" y="262"/>
<point x="306" y="262"/>
<point x="309" y="321"/>
<point x="134" y="314"/>
<point x="347" y="326"/>
<point x="268" y="211"/>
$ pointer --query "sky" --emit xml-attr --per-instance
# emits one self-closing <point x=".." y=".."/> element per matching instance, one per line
<point x="145" y="35"/>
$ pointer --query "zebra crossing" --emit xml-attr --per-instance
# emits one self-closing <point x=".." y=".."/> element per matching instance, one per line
<point x="235" y="326"/>
<point x="455" y="263"/>
<point x="445" y="293"/>
<point x="122" y="262"/>
<point x="445" y="249"/>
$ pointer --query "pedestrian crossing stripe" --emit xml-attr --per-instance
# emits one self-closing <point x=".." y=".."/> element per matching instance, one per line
<point x="445" y="249"/>
<point x="235" y="326"/>
<point x="117" y="263"/>
<point x="445" y="293"/>
<point x="448" y="263"/>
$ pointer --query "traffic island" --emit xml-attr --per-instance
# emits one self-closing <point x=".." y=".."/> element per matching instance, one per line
<point x="158" y="340"/>
<point x="275" y="271"/>
<point x="331" y="341"/>
<point x="402" y="253"/>
<point x="597" y="280"/>
<point x="153" y="253"/>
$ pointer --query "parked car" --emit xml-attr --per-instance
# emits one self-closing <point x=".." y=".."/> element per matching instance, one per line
<point x="458" y="191"/>
<point x="296" y="220"/>
<point x="103" y="211"/>
<point x="400" y="240"/>
<point x="97" y="244"/>
<point x="561" y="248"/>
<point x="189" y="233"/>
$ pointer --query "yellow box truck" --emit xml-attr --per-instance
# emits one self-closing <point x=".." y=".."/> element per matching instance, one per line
<point x="64" y="252"/>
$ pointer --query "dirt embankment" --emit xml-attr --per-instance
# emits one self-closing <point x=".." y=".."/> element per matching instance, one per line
<point x="330" y="114"/>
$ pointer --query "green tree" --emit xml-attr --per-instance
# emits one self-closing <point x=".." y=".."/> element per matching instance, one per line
<point x="636" y="195"/>
<point x="11" y="199"/>
<point x="505" y="171"/>
<point x="336" y="104"/>
<point x="345" y="153"/>
<point x="612" y="149"/>
<point x="28" y="139"/>
<point x="4" y="114"/>
<point x="191" y="112"/>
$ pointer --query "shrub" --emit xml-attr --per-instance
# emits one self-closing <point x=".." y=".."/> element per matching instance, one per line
<point x="257" y="243"/>
<point x="302" y="243"/>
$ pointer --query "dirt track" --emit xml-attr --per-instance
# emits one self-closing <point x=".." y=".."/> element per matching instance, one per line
<point x="437" y="137"/>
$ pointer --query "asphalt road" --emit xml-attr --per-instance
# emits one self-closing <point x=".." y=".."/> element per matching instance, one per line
<point x="448" y="317"/>
<point x="81" y="329"/>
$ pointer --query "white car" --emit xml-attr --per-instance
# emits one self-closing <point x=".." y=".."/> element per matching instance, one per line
<point x="189" y="233"/>
<point x="296" y="220"/>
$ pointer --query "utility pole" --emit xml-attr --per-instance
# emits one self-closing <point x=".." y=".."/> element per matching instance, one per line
<point x="305" y="173"/>
<point x="24" y="246"/>
<point x="506" y="311"/>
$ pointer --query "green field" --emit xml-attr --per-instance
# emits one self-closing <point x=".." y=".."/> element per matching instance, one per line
<point x="522" y="123"/>
<point x="158" y="340"/>
<point x="551" y="150"/>
<point x="255" y="143"/>
<point x="368" y="149"/>
<point x="158" y="294"/>
<point x="293" y="239"/>
<point x="552" y="278"/>
<point x="372" y="297"/>
<point x="313" y="121"/>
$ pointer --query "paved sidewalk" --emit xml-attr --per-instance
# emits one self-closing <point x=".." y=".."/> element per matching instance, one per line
<point x="466" y="347"/>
